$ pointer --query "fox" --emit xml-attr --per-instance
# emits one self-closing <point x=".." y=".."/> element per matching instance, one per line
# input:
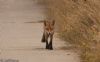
<point x="48" y="33"/>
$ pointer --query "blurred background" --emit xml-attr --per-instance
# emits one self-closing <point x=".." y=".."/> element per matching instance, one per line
<point x="78" y="22"/>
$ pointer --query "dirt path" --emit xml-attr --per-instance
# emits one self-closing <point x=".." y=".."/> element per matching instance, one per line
<point x="20" y="41"/>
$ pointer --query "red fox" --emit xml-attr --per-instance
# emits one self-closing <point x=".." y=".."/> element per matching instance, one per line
<point x="48" y="33"/>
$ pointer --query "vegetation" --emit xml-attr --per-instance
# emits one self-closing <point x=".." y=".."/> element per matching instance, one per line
<point x="78" y="22"/>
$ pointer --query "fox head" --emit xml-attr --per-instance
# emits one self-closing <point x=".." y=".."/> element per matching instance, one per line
<point x="49" y="27"/>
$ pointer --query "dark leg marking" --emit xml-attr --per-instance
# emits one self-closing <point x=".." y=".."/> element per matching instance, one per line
<point x="50" y="44"/>
<point x="43" y="38"/>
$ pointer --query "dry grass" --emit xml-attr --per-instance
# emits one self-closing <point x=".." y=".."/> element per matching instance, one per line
<point x="78" y="22"/>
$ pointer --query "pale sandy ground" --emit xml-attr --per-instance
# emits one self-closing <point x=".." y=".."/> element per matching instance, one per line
<point x="22" y="41"/>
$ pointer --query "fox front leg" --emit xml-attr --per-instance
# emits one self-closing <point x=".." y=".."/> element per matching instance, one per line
<point x="43" y="38"/>
<point x="50" y="44"/>
<point x="46" y="40"/>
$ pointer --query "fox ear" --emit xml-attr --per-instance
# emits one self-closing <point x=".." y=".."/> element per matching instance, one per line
<point x="44" y="23"/>
<point x="53" y="22"/>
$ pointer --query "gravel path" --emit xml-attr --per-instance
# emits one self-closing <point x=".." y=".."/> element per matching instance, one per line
<point x="20" y="41"/>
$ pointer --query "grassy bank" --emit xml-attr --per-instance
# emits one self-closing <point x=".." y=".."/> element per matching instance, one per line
<point x="78" y="22"/>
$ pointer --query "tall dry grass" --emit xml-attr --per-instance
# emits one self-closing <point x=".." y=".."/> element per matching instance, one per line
<point x="78" y="22"/>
